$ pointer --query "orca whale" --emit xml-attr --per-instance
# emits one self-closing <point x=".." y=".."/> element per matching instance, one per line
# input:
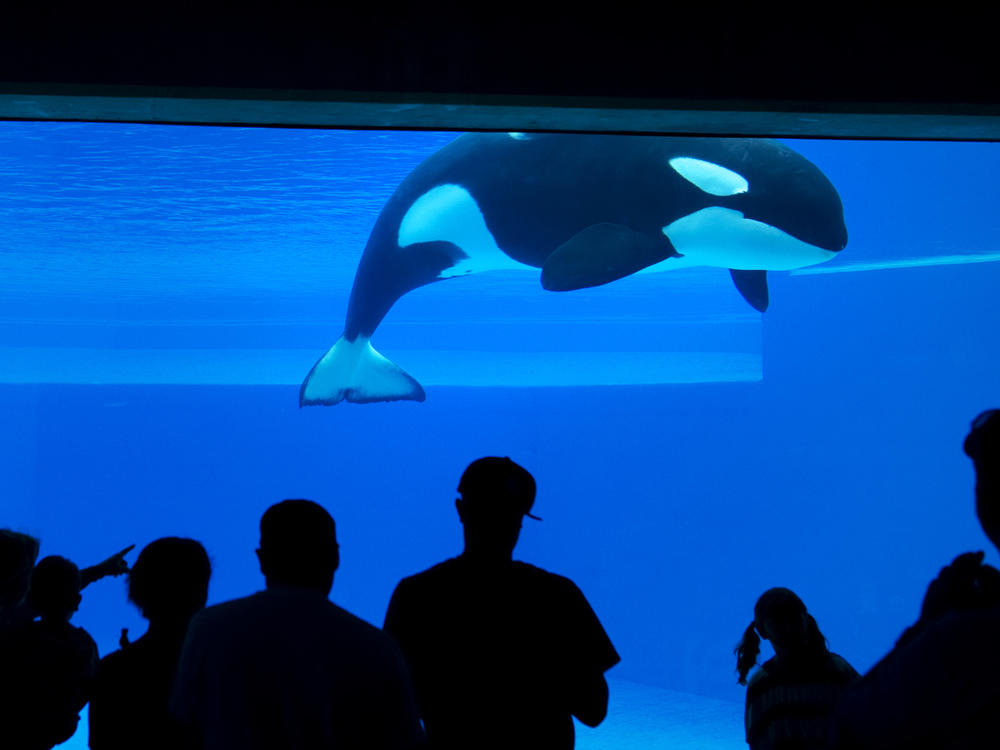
<point x="586" y="210"/>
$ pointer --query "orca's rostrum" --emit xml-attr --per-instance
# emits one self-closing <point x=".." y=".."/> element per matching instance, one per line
<point x="586" y="210"/>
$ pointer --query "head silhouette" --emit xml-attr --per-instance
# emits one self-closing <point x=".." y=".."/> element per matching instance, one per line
<point x="18" y="553"/>
<point x="298" y="546"/>
<point x="982" y="445"/>
<point x="169" y="580"/>
<point x="496" y="494"/>
<point x="55" y="588"/>
<point x="782" y="618"/>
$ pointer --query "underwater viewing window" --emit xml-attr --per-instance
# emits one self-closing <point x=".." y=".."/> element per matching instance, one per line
<point x="730" y="364"/>
<point x="160" y="243"/>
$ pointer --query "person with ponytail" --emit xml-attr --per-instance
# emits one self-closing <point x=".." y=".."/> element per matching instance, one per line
<point x="791" y="697"/>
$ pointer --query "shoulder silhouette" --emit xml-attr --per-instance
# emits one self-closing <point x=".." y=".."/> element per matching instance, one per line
<point x="49" y="664"/>
<point x="287" y="668"/>
<point x="503" y="654"/>
<point x="169" y="584"/>
<point x="18" y="553"/>
<point x="938" y="686"/>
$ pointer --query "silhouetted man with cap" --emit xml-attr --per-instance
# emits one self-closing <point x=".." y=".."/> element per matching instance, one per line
<point x="503" y="654"/>
<point x="940" y="686"/>
<point x="285" y="668"/>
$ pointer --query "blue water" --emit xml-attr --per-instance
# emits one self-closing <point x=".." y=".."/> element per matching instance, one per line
<point x="164" y="289"/>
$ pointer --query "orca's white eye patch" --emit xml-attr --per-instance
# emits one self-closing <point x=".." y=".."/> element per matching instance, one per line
<point x="711" y="178"/>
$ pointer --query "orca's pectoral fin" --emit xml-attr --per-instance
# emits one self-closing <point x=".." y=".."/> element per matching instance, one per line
<point x="602" y="253"/>
<point x="753" y="286"/>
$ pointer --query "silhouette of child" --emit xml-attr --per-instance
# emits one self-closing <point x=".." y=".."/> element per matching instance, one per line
<point x="790" y="699"/>
<point x="49" y="663"/>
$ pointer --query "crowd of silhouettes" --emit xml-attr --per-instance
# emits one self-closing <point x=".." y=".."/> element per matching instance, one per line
<point x="479" y="651"/>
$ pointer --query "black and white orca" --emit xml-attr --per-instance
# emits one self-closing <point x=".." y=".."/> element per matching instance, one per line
<point x="586" y="210"/>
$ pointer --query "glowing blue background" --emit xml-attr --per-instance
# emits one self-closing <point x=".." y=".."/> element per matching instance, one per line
<point x="163" y="290"/>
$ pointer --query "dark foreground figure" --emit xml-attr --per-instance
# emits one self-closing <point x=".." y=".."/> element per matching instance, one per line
<point x="18" y="553"/>
<point x="48" y="665"/>
<point x="130" y="705"/>
<point x="503" y="654"/>
<point x="790" y="699"/>
<point x="286" y="668"/>
<point x="940" y="686"/>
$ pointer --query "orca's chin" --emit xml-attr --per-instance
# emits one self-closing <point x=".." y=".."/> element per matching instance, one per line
<point x="725" y="238"/>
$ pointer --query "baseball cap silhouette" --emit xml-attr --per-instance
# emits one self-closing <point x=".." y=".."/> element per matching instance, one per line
<point x="499" y="481"/>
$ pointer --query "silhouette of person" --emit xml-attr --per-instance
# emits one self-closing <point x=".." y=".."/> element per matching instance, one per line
<point x="18" y="553"/>
<point x="49" y="664"/>
<point x="130" y="704"/>
<point x="791" y="697"/>
<point x="502" y="653"/>
<point x="938" y="687"/>
<point x="285" y="667"/>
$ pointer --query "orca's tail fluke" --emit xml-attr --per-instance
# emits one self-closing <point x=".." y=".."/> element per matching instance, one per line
<point x="354" y="371"/>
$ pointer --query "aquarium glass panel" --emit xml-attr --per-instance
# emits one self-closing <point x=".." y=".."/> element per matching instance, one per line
<point x="729" y="364"/>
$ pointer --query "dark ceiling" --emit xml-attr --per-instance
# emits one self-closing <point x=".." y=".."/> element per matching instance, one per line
<point x="821" y="59"/>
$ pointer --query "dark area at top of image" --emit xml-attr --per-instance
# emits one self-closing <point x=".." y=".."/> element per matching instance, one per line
<point x="931" y="56"/>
